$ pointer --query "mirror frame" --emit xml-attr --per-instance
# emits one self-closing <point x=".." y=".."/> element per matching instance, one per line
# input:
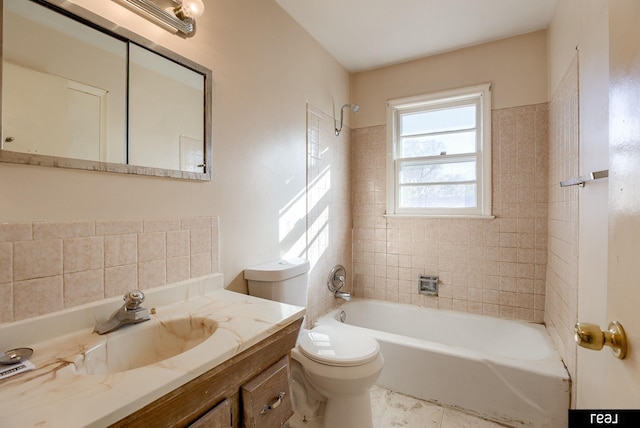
<point x="99" y="23"/>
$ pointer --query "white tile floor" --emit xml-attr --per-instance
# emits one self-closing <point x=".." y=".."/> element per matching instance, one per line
<point x="391" y="409"/>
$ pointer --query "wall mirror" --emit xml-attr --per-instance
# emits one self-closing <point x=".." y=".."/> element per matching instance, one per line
<point x="76" y="95"/>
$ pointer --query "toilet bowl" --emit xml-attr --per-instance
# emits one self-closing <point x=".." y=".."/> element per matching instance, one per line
<point x="332" y="371"/>
<point x="339" y="370"/>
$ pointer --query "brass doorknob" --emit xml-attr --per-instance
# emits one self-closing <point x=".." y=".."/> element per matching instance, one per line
<point x="591" y="337"/>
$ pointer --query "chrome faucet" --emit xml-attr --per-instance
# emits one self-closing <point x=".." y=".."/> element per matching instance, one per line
<point x="335" y="282"/>
<point x="130" y="313"/>
<point x="341" y="295"/>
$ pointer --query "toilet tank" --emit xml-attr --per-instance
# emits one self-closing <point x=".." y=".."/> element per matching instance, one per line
<point x="283" y="280"/>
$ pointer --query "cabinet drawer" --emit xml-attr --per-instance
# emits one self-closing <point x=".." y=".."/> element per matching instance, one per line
<point x="266" y="399"/>
<point x="219" y="416"/>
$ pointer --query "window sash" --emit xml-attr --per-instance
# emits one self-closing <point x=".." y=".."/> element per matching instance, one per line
<point x="437" y="161"/>
<point x="444" y="121"/>
<point x="461" y="141"/>
<point x="458" y="196"/>
<point x="437" y="184"/>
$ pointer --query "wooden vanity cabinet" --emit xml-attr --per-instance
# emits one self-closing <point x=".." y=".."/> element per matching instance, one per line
<point x="214" y="400"/>
<point x="266" y="399"/>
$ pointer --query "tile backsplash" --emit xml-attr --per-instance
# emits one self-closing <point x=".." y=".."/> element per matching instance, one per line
<point x="49" y="266"/>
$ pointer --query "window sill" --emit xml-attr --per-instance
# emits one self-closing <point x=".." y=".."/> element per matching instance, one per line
<point x="462" y="216"/>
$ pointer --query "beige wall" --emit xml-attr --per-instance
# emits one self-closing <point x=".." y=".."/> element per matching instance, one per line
<point x="516" y="66"/>
<point x="265" y="69"/>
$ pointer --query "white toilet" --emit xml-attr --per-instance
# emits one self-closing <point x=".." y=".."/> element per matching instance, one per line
<point x="332" y="371"/>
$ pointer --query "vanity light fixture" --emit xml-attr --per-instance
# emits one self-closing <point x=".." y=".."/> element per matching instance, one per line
<point x="180" y="15"/>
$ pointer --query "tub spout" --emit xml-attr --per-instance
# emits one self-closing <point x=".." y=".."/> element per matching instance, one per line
<point x="345" y="296"/>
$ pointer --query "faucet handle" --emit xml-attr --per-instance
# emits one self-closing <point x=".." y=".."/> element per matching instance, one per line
<point x="133" y="299"/>
<point x="336" y="279"/>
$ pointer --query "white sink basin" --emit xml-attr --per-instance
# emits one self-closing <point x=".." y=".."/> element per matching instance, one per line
<point x="143" y="344"/>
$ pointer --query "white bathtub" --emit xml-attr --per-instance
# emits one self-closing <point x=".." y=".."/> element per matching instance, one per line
<point x="506" y="371"/>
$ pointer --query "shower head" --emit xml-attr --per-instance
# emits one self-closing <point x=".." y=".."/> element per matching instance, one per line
<point x="354" y="108"/>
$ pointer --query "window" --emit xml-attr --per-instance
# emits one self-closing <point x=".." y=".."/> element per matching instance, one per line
<point x="439" y="153"/>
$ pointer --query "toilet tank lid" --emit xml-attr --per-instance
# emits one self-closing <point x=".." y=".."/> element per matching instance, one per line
<point x="277" y="270"/>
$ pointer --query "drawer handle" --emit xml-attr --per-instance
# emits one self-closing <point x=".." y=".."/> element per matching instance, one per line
<point x="273" y="405"/>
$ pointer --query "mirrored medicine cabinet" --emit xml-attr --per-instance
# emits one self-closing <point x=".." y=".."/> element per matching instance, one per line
<point x="81" y="92"/>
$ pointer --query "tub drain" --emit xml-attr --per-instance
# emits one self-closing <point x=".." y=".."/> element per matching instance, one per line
<point x="343" y="316"/>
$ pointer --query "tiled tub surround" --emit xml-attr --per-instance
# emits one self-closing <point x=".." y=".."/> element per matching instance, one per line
<point x="562" y="276"/>
<point x="49" y="266"/>
<point x="492" y="267"/>
<point x="328" y="208"/>
<point x="56" y="395"/>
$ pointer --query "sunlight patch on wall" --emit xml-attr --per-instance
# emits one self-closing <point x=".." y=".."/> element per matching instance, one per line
<point x="291" y="226"/>
<point x="318" y="237"/>
<point x="318" y="215"/>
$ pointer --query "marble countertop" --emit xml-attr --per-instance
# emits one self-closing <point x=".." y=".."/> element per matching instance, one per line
<point x="56" y="395"/>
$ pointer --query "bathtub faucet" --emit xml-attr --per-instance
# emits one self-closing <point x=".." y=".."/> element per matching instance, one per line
<point x="339" y="295"/>
<point x="335" y="282"/>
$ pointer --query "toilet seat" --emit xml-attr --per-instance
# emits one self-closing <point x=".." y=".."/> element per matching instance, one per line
<point x="334" y="346"/>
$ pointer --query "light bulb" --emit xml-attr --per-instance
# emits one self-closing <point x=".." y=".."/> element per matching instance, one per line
<point x="192" y="8"/>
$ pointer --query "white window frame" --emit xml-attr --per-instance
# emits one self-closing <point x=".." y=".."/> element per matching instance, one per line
<point x="481" y="94"/>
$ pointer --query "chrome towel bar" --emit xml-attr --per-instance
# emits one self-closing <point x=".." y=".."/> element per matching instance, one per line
<point x="580" y="181"/>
